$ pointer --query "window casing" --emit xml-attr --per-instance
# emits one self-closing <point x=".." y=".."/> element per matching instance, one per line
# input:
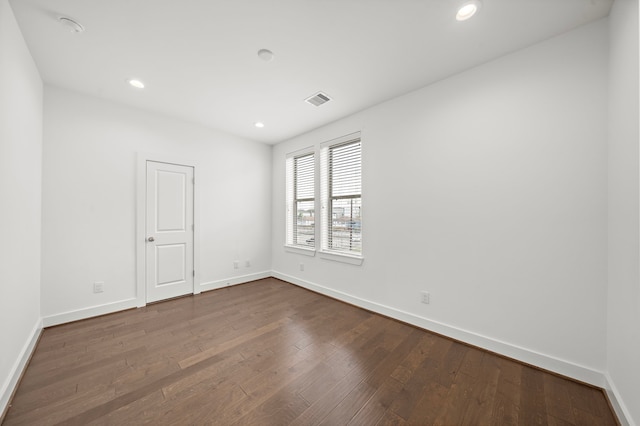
<point x="341" y="196"/>
<point x="300" y="176"/>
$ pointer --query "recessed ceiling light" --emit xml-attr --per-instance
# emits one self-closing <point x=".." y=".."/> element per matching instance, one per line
<point x="71" y="25"/>
<point x="259" y="124"/>
<point x="136" y="83"/>
<point x="266" y="55"/>
<point x="468" y="9"/>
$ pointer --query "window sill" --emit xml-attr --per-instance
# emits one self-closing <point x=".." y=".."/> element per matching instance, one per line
<point x="299" y="250"/>
<point x="343" y="258"/>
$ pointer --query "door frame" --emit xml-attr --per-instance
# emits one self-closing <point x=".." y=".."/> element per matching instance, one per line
<point x="141" y="219"/>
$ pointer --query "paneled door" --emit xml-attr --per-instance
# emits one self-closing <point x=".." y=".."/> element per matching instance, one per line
<point x="169" y="226"/>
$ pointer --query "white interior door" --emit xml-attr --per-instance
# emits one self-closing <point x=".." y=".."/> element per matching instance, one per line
<point x="169" y="226"/>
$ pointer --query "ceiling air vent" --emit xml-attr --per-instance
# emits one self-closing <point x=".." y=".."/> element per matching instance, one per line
<point x="318" y="99"/>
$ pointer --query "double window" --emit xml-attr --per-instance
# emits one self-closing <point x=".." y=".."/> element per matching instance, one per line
<point x="340" y="204"/>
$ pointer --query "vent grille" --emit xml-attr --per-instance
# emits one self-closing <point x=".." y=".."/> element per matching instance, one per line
<point x="318" y="99"/>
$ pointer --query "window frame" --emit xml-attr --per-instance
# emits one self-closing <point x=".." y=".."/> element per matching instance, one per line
<point x="291" y="202"/>
<point x="327" y="199"/>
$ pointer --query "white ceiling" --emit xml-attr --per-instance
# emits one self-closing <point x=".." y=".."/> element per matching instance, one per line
<point x="198" y="58"/>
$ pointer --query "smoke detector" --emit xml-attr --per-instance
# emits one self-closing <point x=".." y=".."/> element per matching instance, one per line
<point x="318" y="99"/>
<point x="266" y="55"/>
<point x="71" y="25"/>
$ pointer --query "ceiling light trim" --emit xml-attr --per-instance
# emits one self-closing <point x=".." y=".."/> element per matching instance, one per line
<point x="468" y="9"/>
<point x="134" y="82"/>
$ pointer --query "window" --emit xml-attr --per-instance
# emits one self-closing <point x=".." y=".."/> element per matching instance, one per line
<point x="300" y="196"/>
<point x="341" y="193"/>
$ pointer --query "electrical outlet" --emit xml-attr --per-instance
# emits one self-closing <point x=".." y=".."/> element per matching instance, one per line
<point x="236" y="264"/>
<point x="424" y="297"/>
<point x="301" y="266"/>
<point x="98" y="286"/>
<point x="247" y="263"/>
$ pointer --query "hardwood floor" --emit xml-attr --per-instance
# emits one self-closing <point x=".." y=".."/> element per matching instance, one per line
<point x="270" y="353"/>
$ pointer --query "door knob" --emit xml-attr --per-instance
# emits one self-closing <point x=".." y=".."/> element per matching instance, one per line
<point x="151" y="239"/>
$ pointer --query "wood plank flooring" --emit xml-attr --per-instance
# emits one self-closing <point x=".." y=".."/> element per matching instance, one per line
<point x="270" y="353"/>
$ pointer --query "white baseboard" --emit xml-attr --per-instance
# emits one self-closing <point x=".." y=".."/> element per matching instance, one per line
<point x="122" y="305"/>
<point x="547" y="362"/>
<point x="93" y="311"/>
<point x="617" y="403"/>
<point x="20" y="364"/>
<point x="212" y="285"/>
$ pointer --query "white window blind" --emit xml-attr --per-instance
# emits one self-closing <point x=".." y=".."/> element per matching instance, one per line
<point x="341" y="195"/>
<point x="300" y="196"/>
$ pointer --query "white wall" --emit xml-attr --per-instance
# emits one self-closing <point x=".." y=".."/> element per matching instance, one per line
<point x="89" y="202"/>
<point x="623" y="332"/>
<point x="20" y="190"/>
<point x="487" y="189"/>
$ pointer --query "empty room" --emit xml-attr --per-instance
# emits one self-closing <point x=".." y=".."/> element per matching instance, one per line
<point x="363" y="212"/>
